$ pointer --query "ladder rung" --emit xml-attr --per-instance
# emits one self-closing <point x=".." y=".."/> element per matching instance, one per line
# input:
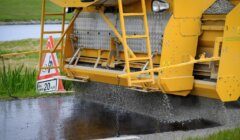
<point x="52" y="32"/>
<point x="136" y="36"/>
<point x="139" y="59"/>
<point x="141" y="81"/>
<point x="54" y="14"/>
<point x="133" y="14"/>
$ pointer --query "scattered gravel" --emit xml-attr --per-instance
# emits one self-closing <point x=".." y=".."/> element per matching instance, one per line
<point x="165" y="108"/>
<point x="220" y="7"/>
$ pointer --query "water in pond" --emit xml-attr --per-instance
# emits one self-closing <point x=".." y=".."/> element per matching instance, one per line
<point x="18" y="32"/>
<point x="73" y="118"/>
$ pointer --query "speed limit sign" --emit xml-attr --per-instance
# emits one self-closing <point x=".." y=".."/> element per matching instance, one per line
<point x="48" y="85"/>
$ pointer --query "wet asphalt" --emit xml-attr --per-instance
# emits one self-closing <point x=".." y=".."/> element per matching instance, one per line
<point x="72" y="118"/>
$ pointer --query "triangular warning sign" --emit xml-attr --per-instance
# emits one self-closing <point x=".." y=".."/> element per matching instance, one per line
<point x="46" y="78"/>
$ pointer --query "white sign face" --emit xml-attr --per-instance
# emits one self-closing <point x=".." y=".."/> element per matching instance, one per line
<point x="48" y="85"/>
<point x="49" y="62"/>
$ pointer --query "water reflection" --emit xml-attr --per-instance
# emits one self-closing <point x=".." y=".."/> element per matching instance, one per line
<point x="91" y="121"/>
<point x="50" y="114"/>
<point x="73" y="118"/>
<point x="18" y="32"/>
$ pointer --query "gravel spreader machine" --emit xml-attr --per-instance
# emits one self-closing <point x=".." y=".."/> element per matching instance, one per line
<point x="177" y="47"/>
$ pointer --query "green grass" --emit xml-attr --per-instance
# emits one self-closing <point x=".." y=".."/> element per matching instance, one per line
<point x="16" y="80"/>
<point x="25" y="10"/>
<point x="19" y="46"/>
<point x="222" y="135"/>
<point x="20" y="82"/>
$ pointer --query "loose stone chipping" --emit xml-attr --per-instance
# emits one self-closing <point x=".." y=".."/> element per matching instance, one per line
<point x="166" y="108"/>
<point x="220" y="7"/>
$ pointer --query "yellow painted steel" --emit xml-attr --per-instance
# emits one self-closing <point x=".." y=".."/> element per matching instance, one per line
<point x="228" y="83"/>
<point x="62" y="43"/>
<point x="194" y="44"/>
<point x="236" y="2"/>
<point x="43" y="32"/>
<point x="205" y="89"/>
<point x="192" y="61"/>
<point x="125" y="37"/>
<point x="18" y="54"/>
<point x="10" y="55"/>
<point x="190" y="9"/>
<point x="42" y="35"/>
<point x="180" y="42"/>
<point x="124" y="43"/>
<point x="72" y="3"/>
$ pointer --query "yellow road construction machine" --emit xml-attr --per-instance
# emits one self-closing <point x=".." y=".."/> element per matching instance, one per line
<point x="177" y="47"/>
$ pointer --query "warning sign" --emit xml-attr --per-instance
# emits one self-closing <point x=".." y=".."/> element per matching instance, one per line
<point x="46" y="78"/>
<point x="49" y="85"/>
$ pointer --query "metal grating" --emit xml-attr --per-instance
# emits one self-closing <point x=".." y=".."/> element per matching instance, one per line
<point x="94" y="33"/>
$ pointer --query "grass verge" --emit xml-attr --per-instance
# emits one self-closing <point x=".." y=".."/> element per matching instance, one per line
<point x="19" y="46"/>
<point x="18" y="10"/>
<point x="18" y="80"/>
<point x="29" y="61"/>
<point x="233" y="134"/>
<point x="17" y="83"/>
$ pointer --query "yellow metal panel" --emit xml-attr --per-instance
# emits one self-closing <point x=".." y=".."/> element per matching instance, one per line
<point x="176" y="84"/>
<point x="235" y="2"/>
<point x="205" y="89"/>
<point x="190" y="27"/>
<point x="190" y="8"/>
<point x="72" y="3"/>
<point x="97" y="75"/>
<point x="114" y="2"/>
<point x="180" y="41"/>
<point x="101" y="75"/>
<point x="131" y="5"/>
<point x="228" y="84"/>
<point x="69" y="50"/>
<point x="176" y="49"/>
